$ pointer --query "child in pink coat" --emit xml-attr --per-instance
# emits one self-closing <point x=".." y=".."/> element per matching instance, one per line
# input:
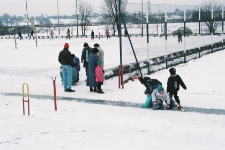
<point x="99" y="76"/>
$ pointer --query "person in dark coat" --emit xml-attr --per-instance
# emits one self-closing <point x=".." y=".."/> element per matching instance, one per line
<point x="84" y="56"/>
<point x="65" y="59"/>
<point x="32" y="34"/>
<point x="92" y="64"/>
<point x="92" y="35"/>
<point x="173" y="85"/>
<point x="179" y="36"/>
<point x="20" y="35"/>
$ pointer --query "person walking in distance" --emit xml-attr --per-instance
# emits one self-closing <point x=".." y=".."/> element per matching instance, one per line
<point x="68" y="33"/>
<point x="179" y="34"/>
<point x="51" y="34"/>
<point x="65" y="59"/>
<point x="92" y="35"/>
<point x="107" y="34"/>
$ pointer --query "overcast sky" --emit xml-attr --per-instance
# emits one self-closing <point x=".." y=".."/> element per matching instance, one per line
<point x="36" y="7"/>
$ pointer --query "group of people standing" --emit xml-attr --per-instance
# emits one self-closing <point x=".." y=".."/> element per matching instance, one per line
<point x="92" y="59"/>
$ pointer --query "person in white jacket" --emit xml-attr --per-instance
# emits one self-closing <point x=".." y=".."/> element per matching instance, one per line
<point x="158" y="96"/>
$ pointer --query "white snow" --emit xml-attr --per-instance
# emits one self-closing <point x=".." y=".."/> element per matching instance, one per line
<point x="80" y="125"/>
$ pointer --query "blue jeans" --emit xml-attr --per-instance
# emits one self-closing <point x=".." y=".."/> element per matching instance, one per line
<point x="67" y="76"/>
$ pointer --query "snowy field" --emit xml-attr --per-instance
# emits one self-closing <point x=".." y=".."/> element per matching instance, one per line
<point x="82" y="124"/>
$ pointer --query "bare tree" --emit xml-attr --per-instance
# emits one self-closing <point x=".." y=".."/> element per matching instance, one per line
<point x="85" y="9"/>
<point x="111" y="14"/>
<point x="206" y="15"/>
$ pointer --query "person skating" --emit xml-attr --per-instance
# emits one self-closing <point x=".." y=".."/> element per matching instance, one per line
<point x="173" y="85"/>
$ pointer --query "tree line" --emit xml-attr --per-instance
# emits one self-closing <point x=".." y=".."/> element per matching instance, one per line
<point x="109" y="16"/>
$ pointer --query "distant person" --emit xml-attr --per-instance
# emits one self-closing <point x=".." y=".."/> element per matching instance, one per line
<point x="20" y="35"/>
<point x="173" y="85"/>
<point x="68" y="33"/>
<point x="107" y="34"/>
<point x="65" y="59"/>
<point x="99" y="77"/>
<point x="51" y="34"/>
<point x="92" y="64"/>
<point x="179" y="36"/>
<point x="92" y="35"/>
<point x="31" y="34"/>
<point x="84" y="56"/>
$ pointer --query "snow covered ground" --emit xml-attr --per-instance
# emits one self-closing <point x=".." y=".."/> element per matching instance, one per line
<point x="113" y="120"/>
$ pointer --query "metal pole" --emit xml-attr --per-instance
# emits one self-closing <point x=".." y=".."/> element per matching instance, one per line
<point x="27" y="12"/>
<point x="142" y="19"/>
<point x="165" y="30"/>
<point x="58" y="17"/>
<point x="120" y="41"/>
<point x="148" y="62"/>
<point x="212" y="28"/>
<point x="199" y="31"/>
<point x="222" y="27"/>
<point x="77" y="17"/>
<point x="184" y="34"/>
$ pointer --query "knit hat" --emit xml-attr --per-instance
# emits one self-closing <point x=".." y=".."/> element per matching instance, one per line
<point x="172" y="71"/>
<point x="96" y="45"/>
<point x="66" y="45"/>
<point x="86" y="45"/>
<point x="95" y="50"/>
<point x="99" y="62"/>
<point x="143" y="80"/>
<point x="160" y="88"/>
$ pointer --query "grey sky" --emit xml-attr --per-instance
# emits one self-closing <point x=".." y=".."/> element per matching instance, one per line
<point x="36" y="7"/>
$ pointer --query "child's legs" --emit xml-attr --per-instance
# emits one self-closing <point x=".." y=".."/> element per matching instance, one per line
<point x="147" y="102"/>
<point x="99" y="86"/>
<point x="176" y="98"/>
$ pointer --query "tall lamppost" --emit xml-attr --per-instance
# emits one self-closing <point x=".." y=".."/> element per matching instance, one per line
<point x="58" y="16"/>
<point x="77" y="17"/>
<point x="26" y="11"/>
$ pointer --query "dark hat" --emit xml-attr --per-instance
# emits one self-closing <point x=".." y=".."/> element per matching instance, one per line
<point x="143" y="80"/>
<point x="86" y="45"/>
<point x="95" y="50"/>
<point x="172" y="71"/>
<point x="160" y="88"/>
<point x="96" y="45"/>
<point x="73" y="55"/>
<point x="66" y="45"/>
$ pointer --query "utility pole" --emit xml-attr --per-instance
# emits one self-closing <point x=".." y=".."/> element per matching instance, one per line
<point x="77" y="17"/>
<point x="58" y="17"/>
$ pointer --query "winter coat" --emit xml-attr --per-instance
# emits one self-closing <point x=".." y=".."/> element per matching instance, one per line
<point x="76" y="61"/>
<point x="157" y="96"/>
<point x="92" y="34"/>
<point x="51" y="33"/>
<point x="174" y="82"/>
<point x="151" y="84"/>
<point x="65" y="58"/>
<point x="99" y="74"/>
<point x="92" y="64"/>
<point x="179" y="34"/>
<point x="101" y="56"/>
<point x="84" y="58"/>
